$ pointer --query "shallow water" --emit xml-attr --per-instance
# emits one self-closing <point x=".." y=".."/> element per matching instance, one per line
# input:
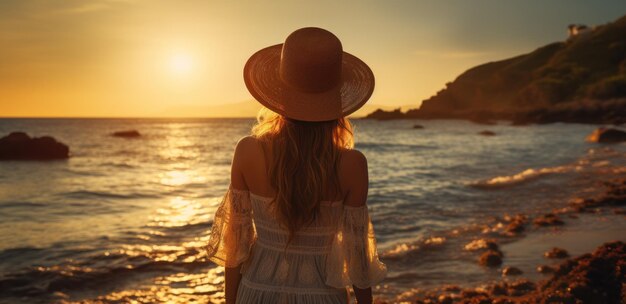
<point x="126" y="219"/>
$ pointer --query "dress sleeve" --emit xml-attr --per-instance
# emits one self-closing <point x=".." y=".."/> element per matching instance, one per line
<point x="353" y="259"/>
<point x="232" y="233"/>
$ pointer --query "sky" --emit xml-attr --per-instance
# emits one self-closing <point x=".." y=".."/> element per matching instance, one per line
<point x="153" y="58"/>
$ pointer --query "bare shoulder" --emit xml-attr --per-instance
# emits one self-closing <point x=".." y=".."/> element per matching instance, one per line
<point x="353" y="159"/>
<point x="246" y="150"/>
<point x="353" y="177"/>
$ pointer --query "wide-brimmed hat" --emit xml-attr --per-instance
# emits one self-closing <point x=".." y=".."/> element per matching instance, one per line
<point x="309" y="77"/>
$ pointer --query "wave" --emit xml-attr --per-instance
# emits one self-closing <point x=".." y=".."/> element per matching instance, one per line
<point x="411" y="249"/>
<point x="21" y="205"/>
<point x="605" y="159"/>
<point x="41" y="281"/>
<point x="390" y="146"/>
<point x="521" y="177"/>
<point x="100" y="194"/>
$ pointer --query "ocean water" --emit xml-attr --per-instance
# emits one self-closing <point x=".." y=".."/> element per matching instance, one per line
<point x="126" y="219"/>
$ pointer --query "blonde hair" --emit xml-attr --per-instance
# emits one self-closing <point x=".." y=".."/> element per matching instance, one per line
<point x="304" y="165"/>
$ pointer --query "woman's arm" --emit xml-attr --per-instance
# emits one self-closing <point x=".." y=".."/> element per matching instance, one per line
<point x="356" y="181"/>
<point x="232" y="275"/>
<point x="363" y="296"/>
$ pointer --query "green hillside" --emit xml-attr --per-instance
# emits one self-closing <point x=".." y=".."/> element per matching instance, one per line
<point x="582" y="79"/>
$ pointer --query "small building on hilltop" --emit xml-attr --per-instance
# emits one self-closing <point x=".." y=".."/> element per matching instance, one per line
<point x="575" y="30"/>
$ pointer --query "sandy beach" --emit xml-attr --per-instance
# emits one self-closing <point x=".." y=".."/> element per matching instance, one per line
<point x="580" y="257"/>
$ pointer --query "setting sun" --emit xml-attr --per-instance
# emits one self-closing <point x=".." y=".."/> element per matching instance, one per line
<point x="180" y="64"/>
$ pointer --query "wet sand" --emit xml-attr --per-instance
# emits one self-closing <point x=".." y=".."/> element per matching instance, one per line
<point x="575" y="254"/>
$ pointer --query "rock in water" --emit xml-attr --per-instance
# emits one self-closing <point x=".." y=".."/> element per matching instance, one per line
<point x="556" y="253"/>
<point x="604" y="135"/>
<point x="545" y="269"/>
<point x="487" y="133"/>
<point x="20" y="146"/>
<point x="491" y="258"/>
<point x="511" y="271"/>
<point x="127" y="134"/>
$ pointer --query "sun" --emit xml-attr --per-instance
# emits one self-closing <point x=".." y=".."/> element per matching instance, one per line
<point x="180" y="64"/>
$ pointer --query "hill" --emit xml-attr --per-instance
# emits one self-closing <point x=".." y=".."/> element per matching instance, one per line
<point x="582" y="79"/>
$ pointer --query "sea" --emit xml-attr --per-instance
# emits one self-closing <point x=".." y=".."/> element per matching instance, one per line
<point x="125" y="220"/>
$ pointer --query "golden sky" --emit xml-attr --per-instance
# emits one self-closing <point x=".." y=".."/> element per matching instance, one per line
<point x="136" y="58"/>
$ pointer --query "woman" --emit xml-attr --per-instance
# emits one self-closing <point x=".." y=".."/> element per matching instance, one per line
<point x="293" y="226"/>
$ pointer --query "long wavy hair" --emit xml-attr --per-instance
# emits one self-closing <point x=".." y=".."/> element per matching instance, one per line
<point x="304" y="165"/>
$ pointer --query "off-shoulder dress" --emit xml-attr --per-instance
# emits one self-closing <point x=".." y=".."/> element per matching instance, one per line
<point x="337" y="250"/>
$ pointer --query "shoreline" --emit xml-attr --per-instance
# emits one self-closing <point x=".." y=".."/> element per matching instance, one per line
<point x="592" y="229"/>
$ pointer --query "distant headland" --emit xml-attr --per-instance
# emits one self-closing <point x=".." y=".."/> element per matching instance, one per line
<point x="581" y="79"/>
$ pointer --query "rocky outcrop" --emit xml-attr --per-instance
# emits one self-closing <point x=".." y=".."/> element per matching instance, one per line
<point x="579" y="80"/>
<point x="599" y="277"/>
<point x="607" y="135"/>
<point x="20" y="146"/>
<point x="127" y="134"/>
<point x="385" y="115"/>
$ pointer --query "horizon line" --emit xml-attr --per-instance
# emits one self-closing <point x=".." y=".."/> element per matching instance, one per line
<point x="138" y="117"/>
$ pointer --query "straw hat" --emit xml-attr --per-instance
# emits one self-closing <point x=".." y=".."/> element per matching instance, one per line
<point x="309" y="77"/>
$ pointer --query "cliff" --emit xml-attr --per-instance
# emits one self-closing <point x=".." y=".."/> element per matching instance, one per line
<point x="582" y="79"/>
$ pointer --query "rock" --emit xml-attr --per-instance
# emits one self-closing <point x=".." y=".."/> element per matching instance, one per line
<point x="20" y="146"/>
<point x="556" y="253"/>
<point x="472" y="293"/>
<point x="381" y="114"/>
<point x="451" y="288"/>
<point x="127" y="134"/>
<point x="590" y="278"/>
<point x="418" y="127"/>
<point x="511" y="271"/>
<point x="499" y="289"/>
<point x="545" y="269"/>
<point x="607" y="135"/>
<point x="445" y="299"/>
<point x="490" y="258"/>
<point x="487" y="133"/>
<point x="521" y="287"/>
<point x="481" y="244"/>
<point x="516" y="225"/>
<point x="549" y="219"/>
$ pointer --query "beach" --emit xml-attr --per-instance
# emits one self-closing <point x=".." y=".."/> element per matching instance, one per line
<point x="126" y="219"/>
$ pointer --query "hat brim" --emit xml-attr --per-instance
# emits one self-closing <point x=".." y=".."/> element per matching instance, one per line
<point x="262" y="78"/>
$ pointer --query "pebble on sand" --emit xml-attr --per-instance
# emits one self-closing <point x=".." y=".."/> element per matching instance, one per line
<point x="511" y="271"/>
<point x="556" y="253"/>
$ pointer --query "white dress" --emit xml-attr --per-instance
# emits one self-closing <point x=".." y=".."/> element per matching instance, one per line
<point x="336" y="251"/>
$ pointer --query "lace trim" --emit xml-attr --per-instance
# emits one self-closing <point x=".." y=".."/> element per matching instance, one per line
<point x="232" y="233"/>
<point x="290" y="289"/>
<point x="317" y="231"/>
<point x="294" y="248"/>
<point x="354" y="258"/>
<point x="269" y="199"/>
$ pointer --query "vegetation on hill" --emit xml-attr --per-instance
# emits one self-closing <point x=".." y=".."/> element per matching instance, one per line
<point x="582" y="79"/>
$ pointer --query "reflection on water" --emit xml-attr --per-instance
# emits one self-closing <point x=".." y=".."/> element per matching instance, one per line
<point x="175" y="288"/>
<point x="127" y="220"/>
